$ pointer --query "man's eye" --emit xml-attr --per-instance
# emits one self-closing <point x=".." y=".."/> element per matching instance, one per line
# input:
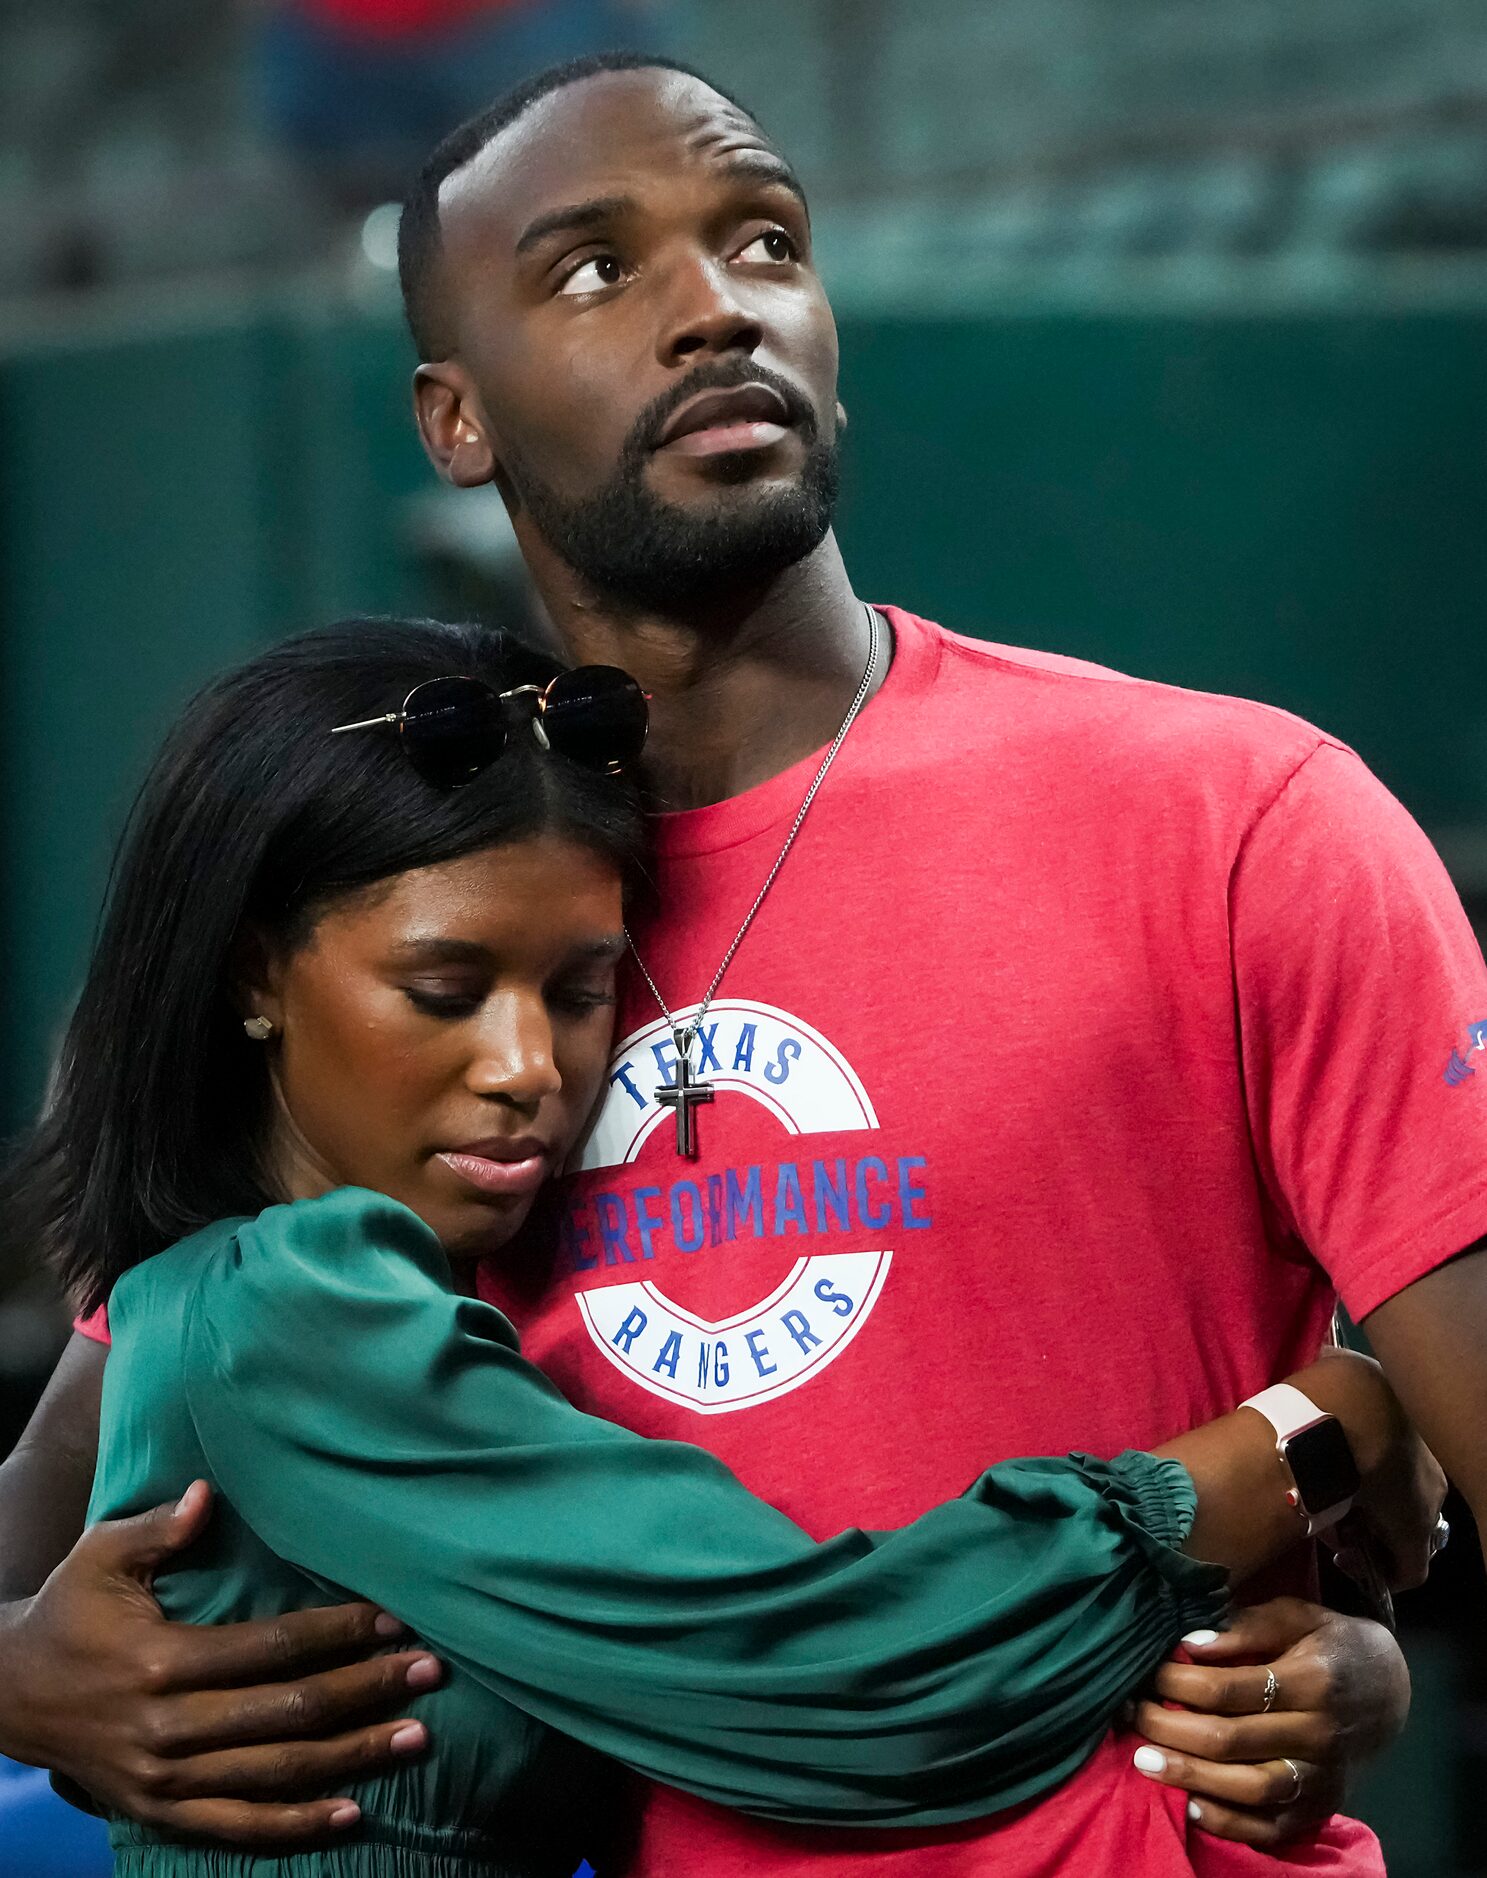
<point x="776" y="245"/>
<point x="604" y="270"/>
<point x="450" y="1004"/>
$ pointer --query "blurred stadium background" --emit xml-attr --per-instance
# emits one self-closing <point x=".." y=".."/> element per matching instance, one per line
<point x="1165" y="340"/>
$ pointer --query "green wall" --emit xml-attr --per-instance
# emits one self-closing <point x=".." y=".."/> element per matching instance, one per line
<point x="1284" y="503"/>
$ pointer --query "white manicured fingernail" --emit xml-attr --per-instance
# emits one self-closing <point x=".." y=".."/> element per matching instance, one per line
<point x="1195" y="1812"/>
<point x="1200" y="1638"/>
<point x="1150" y="1760"/>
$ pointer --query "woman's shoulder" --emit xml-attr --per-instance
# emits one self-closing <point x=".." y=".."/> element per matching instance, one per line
<point x="347" y="1255"/>
<point x="350" y="1232"/>
<point x="287" y="1249"/>
<point x="338" y="1285"/>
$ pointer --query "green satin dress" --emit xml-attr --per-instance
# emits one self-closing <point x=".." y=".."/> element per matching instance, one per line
<point x="370" y="1430"/>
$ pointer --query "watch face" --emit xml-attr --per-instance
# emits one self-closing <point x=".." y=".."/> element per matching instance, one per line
<point x="1322" y="1465"/>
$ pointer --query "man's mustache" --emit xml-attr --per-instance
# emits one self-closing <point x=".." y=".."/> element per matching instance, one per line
<point x="722" y="375"/>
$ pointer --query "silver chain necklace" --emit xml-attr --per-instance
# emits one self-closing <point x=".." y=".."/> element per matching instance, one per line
<point x="683" y="1094"/>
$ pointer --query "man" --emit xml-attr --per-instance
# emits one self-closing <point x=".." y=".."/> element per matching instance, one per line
<point x="1116" y="1019"/>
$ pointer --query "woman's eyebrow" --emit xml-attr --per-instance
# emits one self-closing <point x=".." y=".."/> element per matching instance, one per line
<point x="602" y="951"/>
<point x="436" y="951"/>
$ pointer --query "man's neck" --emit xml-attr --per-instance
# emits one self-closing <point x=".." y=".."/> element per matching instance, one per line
<point x="736" y="697"/>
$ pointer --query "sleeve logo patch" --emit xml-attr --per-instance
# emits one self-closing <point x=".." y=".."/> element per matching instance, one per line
<point x="1458" y="1069"/>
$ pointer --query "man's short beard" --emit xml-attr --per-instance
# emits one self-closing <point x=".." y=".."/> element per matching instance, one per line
<point x="633" y="548"/>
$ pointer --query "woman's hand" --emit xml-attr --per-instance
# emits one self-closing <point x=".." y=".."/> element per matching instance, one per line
<point x="1341" y="1693"/>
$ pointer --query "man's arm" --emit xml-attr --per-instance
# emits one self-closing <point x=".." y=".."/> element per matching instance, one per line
<point x="1432" y="1341"/>
<point x="170" y="1723"/>
<point x="1346" y="1678"/>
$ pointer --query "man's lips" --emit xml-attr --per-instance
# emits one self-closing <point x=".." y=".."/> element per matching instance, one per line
<point x="741" y="417"/>
<point x="501" y="1167"/>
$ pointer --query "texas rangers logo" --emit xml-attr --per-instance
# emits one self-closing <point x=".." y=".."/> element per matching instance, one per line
<point x="1458" y="1069"/>
<point x="813" y="1313"/>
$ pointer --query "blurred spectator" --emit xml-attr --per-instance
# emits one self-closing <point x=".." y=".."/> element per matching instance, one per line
<point x="362" y="90"/>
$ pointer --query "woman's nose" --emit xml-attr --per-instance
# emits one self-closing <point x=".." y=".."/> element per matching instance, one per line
<point x="514" y="1059"/>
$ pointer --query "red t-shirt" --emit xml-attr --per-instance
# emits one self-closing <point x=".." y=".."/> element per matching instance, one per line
<point x="1091" y="1032"/>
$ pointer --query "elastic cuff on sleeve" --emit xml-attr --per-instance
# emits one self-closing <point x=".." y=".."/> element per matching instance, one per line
<point x="1154" y="1497"/>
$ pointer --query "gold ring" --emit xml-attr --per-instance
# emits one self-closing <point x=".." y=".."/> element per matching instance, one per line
<point x="1295" y="1794"/>
<point x="1272" y="1690"/>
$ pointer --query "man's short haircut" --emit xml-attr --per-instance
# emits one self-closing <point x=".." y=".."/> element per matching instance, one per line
<point x="418" y="230"/>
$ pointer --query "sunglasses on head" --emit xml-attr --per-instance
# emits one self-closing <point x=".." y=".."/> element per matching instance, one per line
<point x="453" y="728"/>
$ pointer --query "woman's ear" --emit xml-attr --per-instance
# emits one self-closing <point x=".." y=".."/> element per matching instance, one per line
<point x="257" y="977"/>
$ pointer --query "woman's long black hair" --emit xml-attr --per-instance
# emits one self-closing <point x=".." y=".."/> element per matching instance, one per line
<point x="253" y="813"/>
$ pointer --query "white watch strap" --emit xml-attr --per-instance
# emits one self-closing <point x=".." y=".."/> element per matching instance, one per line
<point x="1288" y="1410"/>
<point x="1285" y="1408"/>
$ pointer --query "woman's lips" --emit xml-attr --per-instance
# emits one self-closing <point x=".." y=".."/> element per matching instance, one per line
<point x="499" y="1177"/>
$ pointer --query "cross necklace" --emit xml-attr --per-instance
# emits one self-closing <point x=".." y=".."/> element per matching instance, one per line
<point x="687" y="1091"/>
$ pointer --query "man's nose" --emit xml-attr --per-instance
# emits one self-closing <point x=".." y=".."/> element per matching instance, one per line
<point x="706" y="315"/>
<point x="514" y="1059"/>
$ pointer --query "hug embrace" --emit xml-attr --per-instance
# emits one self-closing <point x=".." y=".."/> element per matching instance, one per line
<point x="427" y="1142"/>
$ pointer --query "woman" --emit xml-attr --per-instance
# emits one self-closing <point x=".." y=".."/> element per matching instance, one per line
<point x="350" y="1006"/>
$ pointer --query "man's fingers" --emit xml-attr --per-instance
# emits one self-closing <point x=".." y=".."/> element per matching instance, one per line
<point x="293" y="1711"/>
<point x="287" y="1770"/>
<point x="1263" y="1630"/>
<point x="266" y="1828"/>
<point x="219" y="1656"/>
<point x="1240" y="1689"/>
<point x="137" y="1547"/>
<point x="1234" y="1739"/>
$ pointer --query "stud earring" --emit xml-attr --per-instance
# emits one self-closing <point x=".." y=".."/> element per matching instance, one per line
<point x="260" y="1029"/>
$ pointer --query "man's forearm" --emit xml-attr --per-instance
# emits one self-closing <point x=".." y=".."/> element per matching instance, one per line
<point x="1432" y="1342"/>
<point x="44" y="1486"/>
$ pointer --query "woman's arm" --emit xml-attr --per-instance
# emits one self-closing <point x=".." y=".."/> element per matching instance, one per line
<point x="1243" y="1520"/>
<point x="629" y="1591"/>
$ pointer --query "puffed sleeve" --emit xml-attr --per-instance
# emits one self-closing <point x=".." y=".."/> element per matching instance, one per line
<point x="384" y="1434"/>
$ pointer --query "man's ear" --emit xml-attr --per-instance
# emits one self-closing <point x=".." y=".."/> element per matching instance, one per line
<point x="841" y="417"/>
<point x="452" y="425"/>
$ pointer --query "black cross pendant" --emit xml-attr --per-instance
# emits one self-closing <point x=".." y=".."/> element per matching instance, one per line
<point x="681" y="1094"/>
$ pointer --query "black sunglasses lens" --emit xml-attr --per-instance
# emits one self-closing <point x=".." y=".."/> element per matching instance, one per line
<point x="596" y="715"/>
<point x="452" y="729"/>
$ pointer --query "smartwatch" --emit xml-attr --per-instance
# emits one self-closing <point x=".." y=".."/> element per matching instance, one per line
<point x="1315" y="1452"/>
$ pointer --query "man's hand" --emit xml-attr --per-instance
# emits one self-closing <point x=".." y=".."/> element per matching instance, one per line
<point x="1402" y="1488"/>
<point x="215" y="1731"/>
<point x="1341" y="1693"/>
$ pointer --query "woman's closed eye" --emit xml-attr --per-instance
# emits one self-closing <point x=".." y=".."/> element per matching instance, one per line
<point x="447" y="1001"/>
<point x="580" y="999"/>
